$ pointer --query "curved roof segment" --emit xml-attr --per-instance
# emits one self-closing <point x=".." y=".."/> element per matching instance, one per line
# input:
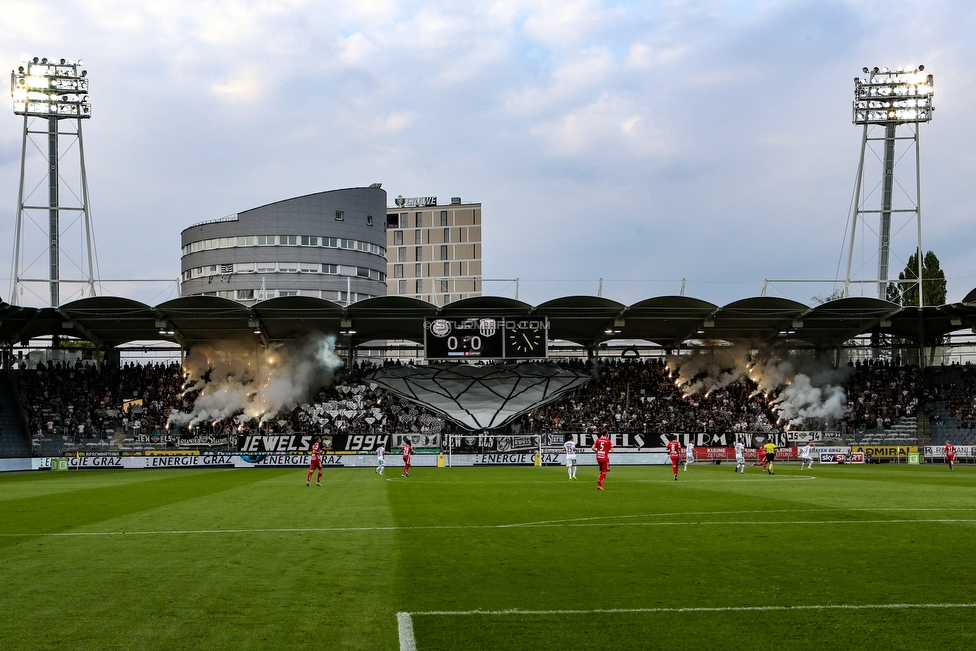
<point x="586" y="320"/>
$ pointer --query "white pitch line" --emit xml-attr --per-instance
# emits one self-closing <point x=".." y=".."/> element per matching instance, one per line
<point x="188" y="532"/>
<point x="405" y="630"/>
<point x="726" y="609"/>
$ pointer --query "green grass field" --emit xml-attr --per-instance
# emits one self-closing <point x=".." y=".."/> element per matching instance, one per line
<point x="252" y="559"/>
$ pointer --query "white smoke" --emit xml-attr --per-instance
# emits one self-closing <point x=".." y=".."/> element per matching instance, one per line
<point x="799" y="389"/>
<point x="248" y="382"/>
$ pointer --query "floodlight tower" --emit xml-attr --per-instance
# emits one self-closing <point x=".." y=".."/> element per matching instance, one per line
<point x="889" y="98"/>
<point x="54" y="92"/>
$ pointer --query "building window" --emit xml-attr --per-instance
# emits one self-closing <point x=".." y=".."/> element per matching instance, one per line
<point x="392" y="221"/>
<point x="330" y="242"/>
<point x="443" y="218"/>
<point x="417" y="270"/>
<point x="444" y="252"/>
<point x="245" y="294"/>
<point x="401" y="287"/>
<point x="398" y="271"/>
<point x="402" y="254"/>
<point x="287" y="240"/>
<point x="397" y="238"/>
<point x="245" y="241"/>
<point x="244" y="267"/>
<point x="447" y="268"/>
<point x="266" y="267"/>
<point x="309" y="241"/>
<point x="330" y="269"/>
<point x="418" y="237"/>
<point x="309" y="267"/>
<point x="444" y="287"/>
<point x="362" y="272"/>
<point x="369" y="220"/>
<point x="447" y="234"/>
<point x="287" y="292"/>
<point x="266" y="240"/>
<point x="339" y="216"/>
<point x="419" y="253"/>
<point x="288" y="267"/>
<point x="419" y="286"/>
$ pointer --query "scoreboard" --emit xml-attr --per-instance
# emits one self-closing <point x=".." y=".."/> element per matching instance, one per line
<point x="486" y="338"/>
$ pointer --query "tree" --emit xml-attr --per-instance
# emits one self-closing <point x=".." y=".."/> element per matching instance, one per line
<point x="933" y="282"/>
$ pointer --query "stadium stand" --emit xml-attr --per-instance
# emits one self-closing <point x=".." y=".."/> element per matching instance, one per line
<point x="951" y="396"/>
<point x="81" y="407"/>
<point x="13" y="443"/>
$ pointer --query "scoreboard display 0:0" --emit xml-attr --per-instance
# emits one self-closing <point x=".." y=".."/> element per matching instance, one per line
<point x="454" y="338"/>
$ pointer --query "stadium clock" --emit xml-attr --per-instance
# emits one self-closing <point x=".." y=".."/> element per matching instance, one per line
<point x="526" y="340"/>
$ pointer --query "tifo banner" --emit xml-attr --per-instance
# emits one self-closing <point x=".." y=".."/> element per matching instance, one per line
<point x="884" y="451"/>
<point x="813" y="437"/>
<point x="962" y="451"/>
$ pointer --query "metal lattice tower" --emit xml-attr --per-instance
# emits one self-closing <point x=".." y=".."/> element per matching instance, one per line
<point x="889" y="99"/>
<point x="53" y="94"/>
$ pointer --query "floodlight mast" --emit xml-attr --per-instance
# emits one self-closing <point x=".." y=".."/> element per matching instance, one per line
<point x="52" y="91"/>
<point x="889" y="98"/>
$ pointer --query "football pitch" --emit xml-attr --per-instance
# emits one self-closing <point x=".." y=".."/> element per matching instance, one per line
<point x="840" y="557"/>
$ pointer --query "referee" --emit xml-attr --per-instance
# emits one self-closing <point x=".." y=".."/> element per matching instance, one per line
<point x="770" y="450"/>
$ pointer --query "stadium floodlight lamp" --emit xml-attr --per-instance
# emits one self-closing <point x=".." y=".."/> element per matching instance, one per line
<point x="893" y="96"/>
<point x="46" y="89"/>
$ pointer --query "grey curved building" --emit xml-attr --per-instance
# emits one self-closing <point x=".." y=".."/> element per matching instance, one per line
<point x="329" y="245"/>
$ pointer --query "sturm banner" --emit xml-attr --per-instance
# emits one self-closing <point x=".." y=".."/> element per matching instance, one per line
<point x="292" y="443"/>
<point x="640" y="441"/>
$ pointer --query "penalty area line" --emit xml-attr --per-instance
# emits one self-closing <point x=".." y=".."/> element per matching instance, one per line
<point x="685" y="523"/>
<point x="405" y="632"/>
<point x="624" y="611"/>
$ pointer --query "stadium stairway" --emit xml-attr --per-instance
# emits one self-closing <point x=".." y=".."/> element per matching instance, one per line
<point x="949" y="428"/>
<point x="13" y="442"/>
<point x="904" y="432"/>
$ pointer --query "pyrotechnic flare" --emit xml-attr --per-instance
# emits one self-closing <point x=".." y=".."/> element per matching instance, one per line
<point x="292" y="371"/>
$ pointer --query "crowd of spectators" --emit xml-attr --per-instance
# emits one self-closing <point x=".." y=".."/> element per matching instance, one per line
<point x="81" y="402"/>
<point x="956" y="390"/>
<point x="880" y="393"/>
<point x="642" y="396"/>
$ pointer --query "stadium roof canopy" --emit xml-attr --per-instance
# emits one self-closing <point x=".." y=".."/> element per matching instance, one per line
<point x="668" y="321"/>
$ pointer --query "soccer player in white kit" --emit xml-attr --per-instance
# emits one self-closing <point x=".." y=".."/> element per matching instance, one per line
<point x="380" y="459"/>
<point x="689" y="454"/>
<point x="740" y="457"/>
<point x="805" y="457"/>
<point x="570" y="447"/>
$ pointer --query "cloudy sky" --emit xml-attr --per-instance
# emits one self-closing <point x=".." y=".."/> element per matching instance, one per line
<point x="639" y="142"/>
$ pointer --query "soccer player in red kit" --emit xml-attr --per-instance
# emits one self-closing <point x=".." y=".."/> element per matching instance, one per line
<point x="602" y="446"/>
<point x="950" y="454"/>
<point x="406" y="450"/>
<point x="674" y="453"/>
<point x="316" y="462"/>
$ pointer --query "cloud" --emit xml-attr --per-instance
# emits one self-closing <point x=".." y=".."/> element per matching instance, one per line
<point x="713" y="140"/>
